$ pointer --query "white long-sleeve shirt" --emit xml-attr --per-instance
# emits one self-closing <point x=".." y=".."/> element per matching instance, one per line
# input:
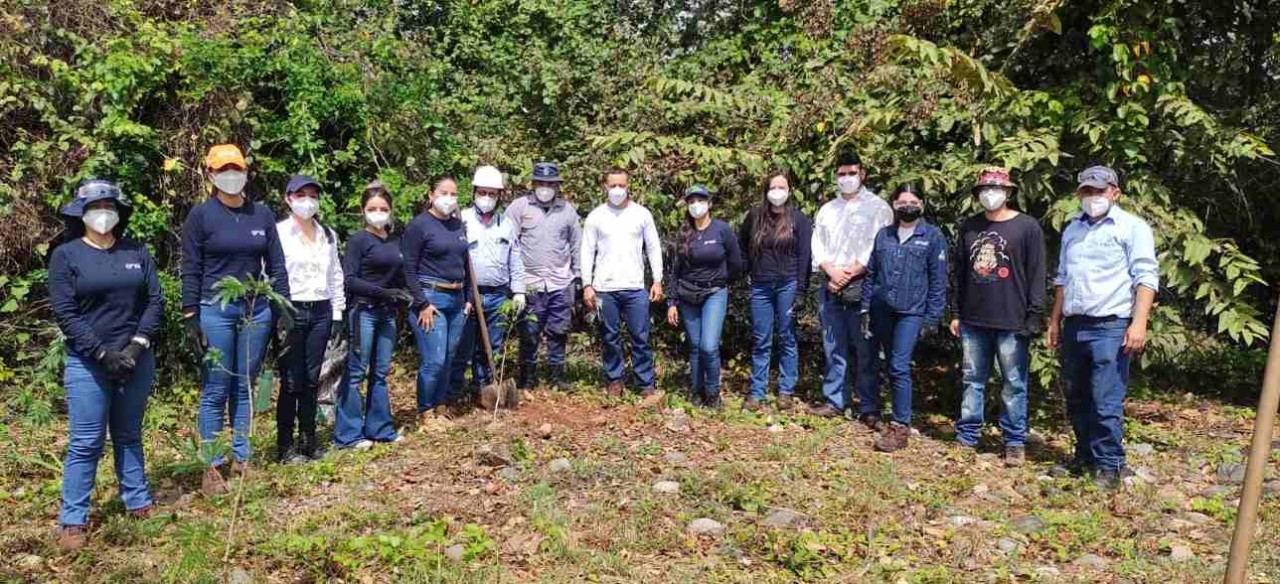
<point x="614" y="245"/>
<point x="845" y="230"/>
<point x="315" y="272"/>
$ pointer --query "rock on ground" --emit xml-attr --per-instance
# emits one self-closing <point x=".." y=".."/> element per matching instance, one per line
<point x="1181" y="552"/>
<point x="1093" y="561"/>
<point x="239" y="576"/>
<point x="560" y="465"/>
<point x="494" y="455"/>
<point x="666" y="487"/>
<point x="454" y="552"/>
<point x="1141" y="449"/>
<point x="781" y="517"/>
<point x="1007" y="546"/>
<point x="705" y="526"/>
<point x="675" y="457"/>
<point x="1029" y="524"/>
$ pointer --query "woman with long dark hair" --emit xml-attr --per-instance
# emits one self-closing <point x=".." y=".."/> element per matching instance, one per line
<point x="435" y="268"/>
<point x="706" y="259"/>
<point x="902" y="300"/>
<point x="105" y="294"/>
<point x="777" y="237"/>
<point x="374" y="275"/>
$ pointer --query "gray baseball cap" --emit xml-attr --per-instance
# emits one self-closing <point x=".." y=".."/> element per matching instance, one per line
<point x="1098" y="177"/>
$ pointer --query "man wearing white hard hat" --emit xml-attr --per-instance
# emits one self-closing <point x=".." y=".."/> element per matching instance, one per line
<point x="499" y="272"/>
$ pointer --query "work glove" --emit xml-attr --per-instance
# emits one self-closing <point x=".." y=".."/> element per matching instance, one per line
<point x="399" y="295"/>
<point x="195" y="335"/>
<point x="864" y="324"/>
<point x="338" y="331"/>
<point x="519" y="302"/>
<point x="118" y="365"/>
<point x="284" y="324"/>
<point x="929" y="329"/>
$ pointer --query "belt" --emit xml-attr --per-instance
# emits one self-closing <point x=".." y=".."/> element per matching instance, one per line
<point x="492" y="289"/>
<point x="1096" y="319"/>
<point x="309" y="303"/>
<point x="444" y="286"/>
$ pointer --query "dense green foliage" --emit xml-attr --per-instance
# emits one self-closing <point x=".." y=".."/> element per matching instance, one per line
<point x="1180" y="96"/>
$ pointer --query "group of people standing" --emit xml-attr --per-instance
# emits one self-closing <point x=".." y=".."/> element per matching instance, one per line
<point x="883" y="284"/>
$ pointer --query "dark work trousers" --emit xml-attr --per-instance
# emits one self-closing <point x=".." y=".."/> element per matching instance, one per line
<point x="300" y="375"/>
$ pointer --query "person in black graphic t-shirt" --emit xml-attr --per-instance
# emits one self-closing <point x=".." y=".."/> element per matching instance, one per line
<point x="998" y="284"/>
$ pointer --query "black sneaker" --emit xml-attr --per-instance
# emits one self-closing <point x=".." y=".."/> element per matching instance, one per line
<point x="871" y="421"/>
<point x="1111" y="478"/>
<point x="1074" y="468"/>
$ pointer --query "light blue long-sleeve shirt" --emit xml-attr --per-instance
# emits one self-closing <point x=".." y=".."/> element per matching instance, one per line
<point x="495" y="250"/>
<point x="1101" y="264"/>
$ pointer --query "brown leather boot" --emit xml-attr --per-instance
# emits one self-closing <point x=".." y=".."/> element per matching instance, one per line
<point x="894" y="438"/>
<point x="212" y="483"/>
<point x="72" y="537"/>
<point x="614" y="389"/>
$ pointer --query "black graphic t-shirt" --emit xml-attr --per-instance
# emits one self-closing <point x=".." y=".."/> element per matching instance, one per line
<point x="998" y="274"/>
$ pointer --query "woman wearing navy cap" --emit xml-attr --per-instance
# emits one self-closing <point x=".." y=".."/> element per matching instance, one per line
<point x="229" y="236"/>
<point x="106" y="297"/>
<point x="707" y="257"/>
<point x="316" y="287"/>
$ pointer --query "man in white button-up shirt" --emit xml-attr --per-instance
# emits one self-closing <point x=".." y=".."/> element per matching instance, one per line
<point x="316" y="291"/>
<point x="844" y="232"/>
<point x="616" y="237"/>
<point x="499" y="272"/>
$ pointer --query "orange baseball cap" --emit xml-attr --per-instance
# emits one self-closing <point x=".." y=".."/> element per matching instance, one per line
<point x="224" y="155"/>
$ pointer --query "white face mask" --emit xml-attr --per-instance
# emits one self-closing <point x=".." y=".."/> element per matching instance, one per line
<point x="304" y="207"/>
<point x="101" y="221"/>
<point x="485" y="203"/>
<point x="445" y="204"/>
<point x="992" y="199"/>
<point x="778" y="197"/>
<point x="617" y="196"/>
<point x="545" y="194"/>
<point x="1095" y="206"/>
<point x="230" y="182"/>
<point x="849" y="184"/>
<point x="377" y="219"/>
<point x="699" y="209"/>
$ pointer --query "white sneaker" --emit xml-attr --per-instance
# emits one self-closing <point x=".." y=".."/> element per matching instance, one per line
<point x="399" y="439"/>
<point x="363" y="445"/>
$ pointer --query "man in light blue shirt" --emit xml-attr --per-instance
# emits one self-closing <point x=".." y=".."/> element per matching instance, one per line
<point x="499" y="272"/>
<point x="1107" y="280"/>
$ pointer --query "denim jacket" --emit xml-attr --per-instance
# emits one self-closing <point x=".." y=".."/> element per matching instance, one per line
<point x="908" y="277"/>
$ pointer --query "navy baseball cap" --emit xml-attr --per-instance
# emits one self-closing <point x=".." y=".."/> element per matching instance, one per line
<point x="92" y="191"/>
<point x="546" y="172"/>
<point x="301" y="180"/>
<point x="1098" y="177"/>
<point x="698" y="191"/>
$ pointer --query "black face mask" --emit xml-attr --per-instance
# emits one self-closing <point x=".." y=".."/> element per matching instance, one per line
<point x="908" y="214"/>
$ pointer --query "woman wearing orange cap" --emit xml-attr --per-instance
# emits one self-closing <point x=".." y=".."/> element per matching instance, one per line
<point x="229" y="236"/>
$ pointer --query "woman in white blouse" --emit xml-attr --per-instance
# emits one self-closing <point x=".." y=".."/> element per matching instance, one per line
<point x="317" y="293"/>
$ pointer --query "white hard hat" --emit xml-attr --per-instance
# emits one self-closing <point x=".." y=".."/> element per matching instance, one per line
<point x="487" y="177"/>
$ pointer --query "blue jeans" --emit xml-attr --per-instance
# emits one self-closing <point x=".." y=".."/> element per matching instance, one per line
<point x="631" y="307"/>
<point x="981" y="345"/>
<point x="228" y="382"/>
<point x="437" y="347"/>
<point x="470" y="351"/>
<point x="896" y="334"/>
<point x="842" y="342"/>
<point x="372" y="342"/>
<point x="551" y="313"/>
<point x="95" y="404"/>
<point x="300" y="372"/>
<point x="703" y="325"/>
<point x="1096" y="371"/>
<point x="771" y="306"/>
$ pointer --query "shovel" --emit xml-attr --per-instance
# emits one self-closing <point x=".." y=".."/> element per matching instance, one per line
<point x="495" y="395"/>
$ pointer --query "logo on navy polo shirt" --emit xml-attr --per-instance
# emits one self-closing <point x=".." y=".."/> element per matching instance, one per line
<point x="258" y="233"/>
<point x="133" y="266"/>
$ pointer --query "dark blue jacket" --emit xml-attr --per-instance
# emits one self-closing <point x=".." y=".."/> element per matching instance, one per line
<point x="909" y="277"/>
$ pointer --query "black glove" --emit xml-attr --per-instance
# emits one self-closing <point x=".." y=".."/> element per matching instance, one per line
<point x="195" y="335"/>
<point x="118" y="365"/>
<point x="864" y="324"/>
<point x="133" y="350"/>
<point x="1031" y="326"/>
<point x="284" y="324"/>
<point x="398" y="295"/>
<point x="929" y="329"/>
<point x="338" y="330"/>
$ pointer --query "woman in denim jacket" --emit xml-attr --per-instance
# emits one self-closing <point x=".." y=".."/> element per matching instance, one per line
<point x="902" y="301"/>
